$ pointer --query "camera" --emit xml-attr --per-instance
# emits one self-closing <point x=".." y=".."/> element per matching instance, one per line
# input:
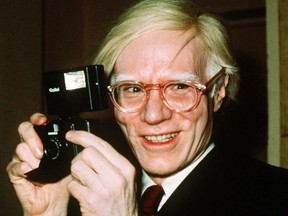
<point x="68" y="93"/>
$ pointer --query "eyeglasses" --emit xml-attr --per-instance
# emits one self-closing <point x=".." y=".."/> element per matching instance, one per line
<point x="177" y="95"/>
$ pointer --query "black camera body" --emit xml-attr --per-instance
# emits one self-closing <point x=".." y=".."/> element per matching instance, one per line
<point x="68" y="93"/>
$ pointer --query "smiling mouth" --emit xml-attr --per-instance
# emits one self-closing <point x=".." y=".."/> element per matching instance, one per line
<point x="161" y="138"/>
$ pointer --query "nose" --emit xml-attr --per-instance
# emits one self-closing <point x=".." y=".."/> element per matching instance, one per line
<point x="155" y="111"/>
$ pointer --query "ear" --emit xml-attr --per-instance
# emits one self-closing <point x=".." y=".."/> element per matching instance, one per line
<point x="220" y="95"/>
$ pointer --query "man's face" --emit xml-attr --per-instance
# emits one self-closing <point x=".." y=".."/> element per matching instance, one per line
<point x="163" y="141"/>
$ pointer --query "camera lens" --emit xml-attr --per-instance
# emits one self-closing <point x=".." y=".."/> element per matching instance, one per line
<point x="52" y="149"/>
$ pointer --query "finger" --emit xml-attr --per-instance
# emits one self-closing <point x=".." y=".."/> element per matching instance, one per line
<point x="38" y="119"/>
<point x="87" y="183"/>
<point x="83" y="173"/>
<point x="24" y="154"/>
<point x="29" y="135"/>
<point x="87" y="139"/>
<point x="77" y="190"/>
<point x="91" y="164"/>
<point x="95" y="171"/>
<point x="16" y="170"/>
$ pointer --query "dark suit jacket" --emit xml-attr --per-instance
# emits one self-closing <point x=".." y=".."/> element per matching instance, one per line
<point x="225" y="184"/>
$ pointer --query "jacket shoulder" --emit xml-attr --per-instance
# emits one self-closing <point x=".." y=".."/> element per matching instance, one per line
<point x="231" y="184"/>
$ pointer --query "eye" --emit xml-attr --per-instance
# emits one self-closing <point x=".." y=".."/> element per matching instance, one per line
<point x="180" y="86"/>
<point x="131" y="89"/>
<point x="127" y="90"/>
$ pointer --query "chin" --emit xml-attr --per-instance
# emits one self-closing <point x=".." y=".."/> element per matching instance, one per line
<point x="160" y="169"/>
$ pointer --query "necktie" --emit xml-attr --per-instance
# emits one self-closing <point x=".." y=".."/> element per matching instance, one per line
<point x="151" y="199"/>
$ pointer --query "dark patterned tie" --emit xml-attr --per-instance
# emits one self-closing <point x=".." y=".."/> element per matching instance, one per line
<point x="151" y="199"/>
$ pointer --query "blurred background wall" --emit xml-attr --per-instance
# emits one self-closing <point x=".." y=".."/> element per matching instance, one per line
<point x="20" y="71"/>
<point x="37" y="36"/>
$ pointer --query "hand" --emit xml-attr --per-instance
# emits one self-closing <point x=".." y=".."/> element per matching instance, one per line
<point x="48" y="199"/>
<point x="103" y="180"/>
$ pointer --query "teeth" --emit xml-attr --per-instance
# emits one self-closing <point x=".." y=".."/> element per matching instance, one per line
<point x="161" y="138"/>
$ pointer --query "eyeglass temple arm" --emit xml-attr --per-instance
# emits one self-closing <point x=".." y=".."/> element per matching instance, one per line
<point x="210" y="82"/>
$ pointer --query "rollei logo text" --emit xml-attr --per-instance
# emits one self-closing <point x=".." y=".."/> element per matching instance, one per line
<point x="52" y="90"/>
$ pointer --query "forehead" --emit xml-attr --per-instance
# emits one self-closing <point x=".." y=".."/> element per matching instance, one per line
<point x="159" y="54"/>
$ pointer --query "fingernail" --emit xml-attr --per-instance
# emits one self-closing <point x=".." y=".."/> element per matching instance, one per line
<point x="39" y="152"/>
<point x="69" y="134"/>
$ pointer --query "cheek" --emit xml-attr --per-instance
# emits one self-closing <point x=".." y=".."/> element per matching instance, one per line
<point x="128" y="125"/>
<point x="203" y="123"/>
<point x="126" y="121"/>
<point x="121" y="119"/>
<point x="196" y="127"/>
<point x="198" y="115"/>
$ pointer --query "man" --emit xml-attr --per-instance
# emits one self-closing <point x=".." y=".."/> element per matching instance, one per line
<point x="170" y="70"/>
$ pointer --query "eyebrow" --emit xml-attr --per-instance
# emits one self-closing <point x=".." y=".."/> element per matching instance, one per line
<point x="181" y="76"/>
